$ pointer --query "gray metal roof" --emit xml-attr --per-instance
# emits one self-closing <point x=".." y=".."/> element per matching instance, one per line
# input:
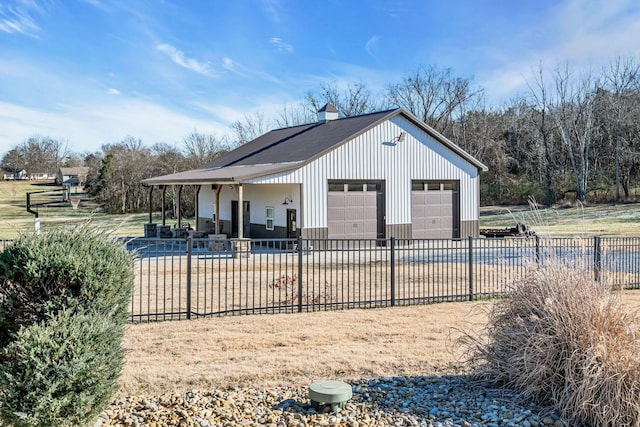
<point x="292" y="147"/>
<point x="298" y="143"/>
<point x="220" y="175"/>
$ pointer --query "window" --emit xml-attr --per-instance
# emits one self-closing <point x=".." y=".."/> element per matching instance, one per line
<point x="336" y="186"/>
<point x="449" y="186"/>
<point x="354" y="187"/>
<point x="433" y="186"/>
<point x="269" y="216"/>
<point x="417" y="186"/>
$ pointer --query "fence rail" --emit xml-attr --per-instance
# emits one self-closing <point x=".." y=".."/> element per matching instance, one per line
<point x="190" y="278"/>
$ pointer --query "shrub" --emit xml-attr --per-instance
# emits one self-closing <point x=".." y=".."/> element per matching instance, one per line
<point x="564" y="341"/>
<point x="60" y="372"/>
<point x="64" y="269"/>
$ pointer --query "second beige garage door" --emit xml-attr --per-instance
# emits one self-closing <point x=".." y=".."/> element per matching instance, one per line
<point x="435" y="210"/>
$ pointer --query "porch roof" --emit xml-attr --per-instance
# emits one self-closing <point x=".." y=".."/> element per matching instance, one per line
<point x="229" y="174"/>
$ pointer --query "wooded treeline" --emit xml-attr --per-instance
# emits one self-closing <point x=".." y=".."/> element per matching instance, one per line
<point x="570" y="136"/>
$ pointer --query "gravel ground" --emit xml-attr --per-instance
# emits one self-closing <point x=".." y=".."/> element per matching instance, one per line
<point x="401" y="401"/>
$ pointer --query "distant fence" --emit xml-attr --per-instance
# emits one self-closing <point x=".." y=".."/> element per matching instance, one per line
<point x="190" y="278"/>
<point x="4" y="243"/>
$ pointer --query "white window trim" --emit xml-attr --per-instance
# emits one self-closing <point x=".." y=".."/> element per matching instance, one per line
<point x="269" y="218"/>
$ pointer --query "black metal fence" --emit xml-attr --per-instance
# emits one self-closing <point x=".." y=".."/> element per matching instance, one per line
<point x="190" y="278"/>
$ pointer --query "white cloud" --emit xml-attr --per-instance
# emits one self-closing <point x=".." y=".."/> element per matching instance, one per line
<point x="280" y="45"/>
<point x="272" y="8"/>
<point x="371" y="46"/>
<point x="181" y="59"/>
<point x="16" y="18"/>
<point x="585" y="35"/>
<point x="113" y="91"/>
<point x="88" y="127"/>
<point x="245" y="72"/>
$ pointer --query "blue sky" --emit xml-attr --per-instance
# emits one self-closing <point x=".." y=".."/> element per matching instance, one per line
<point x="94" y="71"/>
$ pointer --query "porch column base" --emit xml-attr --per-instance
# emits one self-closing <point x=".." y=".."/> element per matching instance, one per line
<point x="241" y="248"/>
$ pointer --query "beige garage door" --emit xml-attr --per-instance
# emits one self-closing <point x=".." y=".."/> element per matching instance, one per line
<point x="352" y="211"/>
<point x="435" y="210"/>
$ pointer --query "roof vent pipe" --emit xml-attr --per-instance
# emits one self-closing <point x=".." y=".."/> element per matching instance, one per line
<point x="326" y="113"/>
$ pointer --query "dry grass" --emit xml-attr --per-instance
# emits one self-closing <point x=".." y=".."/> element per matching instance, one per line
<point x="220" y="285"/>
<point x="280" y="349"/>
<point x="266" y="350"/>
<point x="565" y="341"/>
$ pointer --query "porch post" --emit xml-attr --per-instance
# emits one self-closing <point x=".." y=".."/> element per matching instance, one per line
<point x="164" y="214"/>
<point x="197" y="206"/>
<point x="179" y="200"/>
<point x="218" y="189"/>
<point x="240" y="213"/>
<point x="150" y="204"/>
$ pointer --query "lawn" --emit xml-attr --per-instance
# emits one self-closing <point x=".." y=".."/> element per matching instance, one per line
<point x="601" y="220"/>
<point x="15" y="220"/>
<point x="598" y="220"/>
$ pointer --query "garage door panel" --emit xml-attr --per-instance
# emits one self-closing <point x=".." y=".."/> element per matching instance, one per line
<point x="432" y="214"/>
<point x="337" y="214"/>
<point x="352" y="215"/>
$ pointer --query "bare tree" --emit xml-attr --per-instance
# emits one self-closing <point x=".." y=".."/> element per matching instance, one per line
<point x="621" y="80"/>
<point x="43" y="154"/>
<point x="119" y="185"/>
<point x="251" y="127"/>
<point x="573" y="117"/>
<point x="433" y="95"/>
<point x="202" y="148"/>
<point x="354" y="100"/>
<point x="294" y="115"/>
<point x="13" y="161"/>
<point x="542" y="127"/>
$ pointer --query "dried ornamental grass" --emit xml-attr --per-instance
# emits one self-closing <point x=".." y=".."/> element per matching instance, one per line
<point x="565" y="341"/>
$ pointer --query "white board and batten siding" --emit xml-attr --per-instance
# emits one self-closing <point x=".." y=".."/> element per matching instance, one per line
<point x="374" y="156"/>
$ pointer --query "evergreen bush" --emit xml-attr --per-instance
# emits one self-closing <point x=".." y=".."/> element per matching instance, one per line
<point x="62" y="269"/>
<point x="64" y="299"/>
<point x="60" y="372"/>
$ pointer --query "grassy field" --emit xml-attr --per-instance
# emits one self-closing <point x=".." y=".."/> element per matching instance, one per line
<point x="14" y="218"/>
<point x="284" y="349"/>
<point x="598" y="220"/>
<point x="602" y="220"/>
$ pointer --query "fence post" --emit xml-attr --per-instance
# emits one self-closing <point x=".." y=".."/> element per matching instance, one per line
<point x="597" y="258"/>
<point x="393" y="271"/>
<point x="189" y="253"/>
<point x="470" y="268"/>
<point x="300" y="274"/>
<point x="537" y="250"/>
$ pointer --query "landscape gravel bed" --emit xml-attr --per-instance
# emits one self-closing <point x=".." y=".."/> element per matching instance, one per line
<point x="433" y="401"/>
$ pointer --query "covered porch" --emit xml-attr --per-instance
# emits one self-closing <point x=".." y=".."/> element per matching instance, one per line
<point x="227" y="205"/>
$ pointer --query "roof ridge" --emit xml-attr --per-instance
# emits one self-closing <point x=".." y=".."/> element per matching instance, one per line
<point x="340" y="119"/>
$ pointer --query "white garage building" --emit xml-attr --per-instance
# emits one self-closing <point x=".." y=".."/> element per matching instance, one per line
<point x="378" y="175"/>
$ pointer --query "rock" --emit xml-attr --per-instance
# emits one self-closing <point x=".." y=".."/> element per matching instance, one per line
<point x="405" y="401"/>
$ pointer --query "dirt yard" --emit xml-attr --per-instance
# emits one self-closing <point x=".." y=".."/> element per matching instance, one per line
<point x="268" y="350"/>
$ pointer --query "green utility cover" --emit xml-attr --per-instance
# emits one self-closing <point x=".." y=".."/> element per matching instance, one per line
<point x="330" y="392"/>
